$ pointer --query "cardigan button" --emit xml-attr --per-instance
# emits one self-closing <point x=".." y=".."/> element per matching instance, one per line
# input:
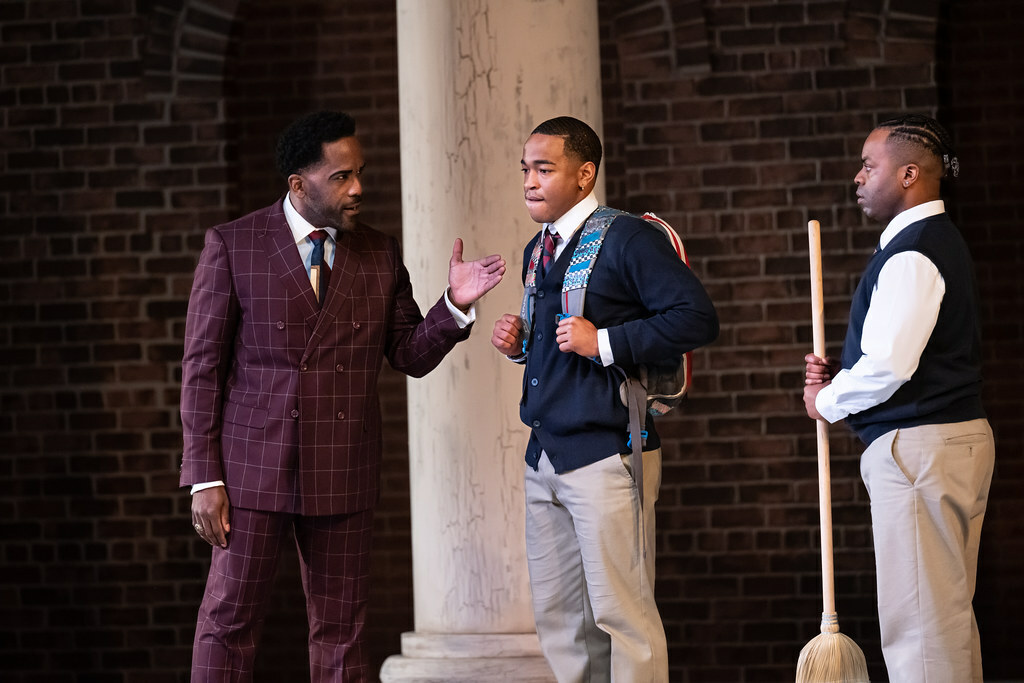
<point x="536" y="423"/>
<point x="534" y="382"/>
<point x="339" y="367"/>
<point x="341" y="415"/>
<point x="356" y="325"/>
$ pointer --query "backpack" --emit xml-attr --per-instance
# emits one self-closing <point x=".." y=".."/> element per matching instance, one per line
<point x="659" y="386"/>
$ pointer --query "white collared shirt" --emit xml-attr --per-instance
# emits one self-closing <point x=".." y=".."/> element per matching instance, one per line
<point x="301" y="228"/>
<point x="566" y="226"/>
<point x="897" y="326"/>
<point x="571" y="221"/>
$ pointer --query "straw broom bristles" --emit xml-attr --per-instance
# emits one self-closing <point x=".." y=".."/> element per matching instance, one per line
<point x="831" y="657"/>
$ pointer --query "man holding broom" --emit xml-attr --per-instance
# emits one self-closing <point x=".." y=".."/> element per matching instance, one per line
<point x="909" y="384"/>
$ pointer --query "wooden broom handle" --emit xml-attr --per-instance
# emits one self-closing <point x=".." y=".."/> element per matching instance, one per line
<point x="824" y="474"/>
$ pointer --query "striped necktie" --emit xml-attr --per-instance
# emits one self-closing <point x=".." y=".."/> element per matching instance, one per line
<point x="550" y="240"/>
<point x="319" y="270"/>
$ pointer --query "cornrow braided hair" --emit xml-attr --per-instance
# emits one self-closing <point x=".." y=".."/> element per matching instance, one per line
<point x="927" y="133"/>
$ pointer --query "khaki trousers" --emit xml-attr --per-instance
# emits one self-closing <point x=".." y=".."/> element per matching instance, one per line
<point x="929" y="489"/>
<point x="593" y="586"/>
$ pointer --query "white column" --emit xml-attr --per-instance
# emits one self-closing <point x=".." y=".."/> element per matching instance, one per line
<point x="475" y="77"/>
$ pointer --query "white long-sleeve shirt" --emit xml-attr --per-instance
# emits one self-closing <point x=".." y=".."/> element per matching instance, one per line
<point x="899" y="321"/>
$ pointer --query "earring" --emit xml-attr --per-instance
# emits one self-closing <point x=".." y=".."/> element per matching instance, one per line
<point x="906" y="183"/>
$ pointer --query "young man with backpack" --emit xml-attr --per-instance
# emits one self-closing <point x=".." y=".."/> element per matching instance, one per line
<point x="589" y="519"/>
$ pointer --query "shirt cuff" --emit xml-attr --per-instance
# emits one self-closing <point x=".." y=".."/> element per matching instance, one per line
<point x="196" y="488"/>
<point x="463" y="320"/>
<point x="825" y="402"/>
<point x="604" y="347"/>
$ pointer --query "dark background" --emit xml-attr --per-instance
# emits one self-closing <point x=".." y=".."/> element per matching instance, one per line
<point x="130" y="126"/>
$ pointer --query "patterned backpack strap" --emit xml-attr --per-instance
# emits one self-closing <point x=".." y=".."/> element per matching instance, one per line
<point x="574" y="287"/>
<point x="530" y="290"/>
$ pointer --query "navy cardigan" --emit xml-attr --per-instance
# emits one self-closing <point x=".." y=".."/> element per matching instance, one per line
<point x="653" y="307"/>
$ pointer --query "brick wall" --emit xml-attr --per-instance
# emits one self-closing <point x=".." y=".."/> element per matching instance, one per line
<point x="981" y="51"/>
<point x="129" y="127"/>
<point x="740" y="121"/>
<point x="109" y="166"/>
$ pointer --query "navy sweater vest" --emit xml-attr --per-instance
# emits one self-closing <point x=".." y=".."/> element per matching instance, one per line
<point x="946" y="387"/>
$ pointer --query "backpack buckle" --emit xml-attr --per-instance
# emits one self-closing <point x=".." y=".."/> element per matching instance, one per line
<point x="643" y="438"/>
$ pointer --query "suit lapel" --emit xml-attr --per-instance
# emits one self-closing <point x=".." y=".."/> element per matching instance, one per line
<point x="279" y="244"/>
<point x="343" y="272"/>
<point x="283" y="255"/>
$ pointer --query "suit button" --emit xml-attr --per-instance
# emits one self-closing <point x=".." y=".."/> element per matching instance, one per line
<point x="280" y="324"/>
<point x="540" y="293"/>
<point x="536" y="423"/>
<point x="295" y="413"/>
<point x="341" y="415"/>
<point x="534" y="382"/>
<point x="540" y="336"/>
<point x="303" y="367"/>
<point x="356" y="325"/>
<point x="339" y="367"/>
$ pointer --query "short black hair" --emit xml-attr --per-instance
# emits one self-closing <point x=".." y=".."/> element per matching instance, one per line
<point x="581" y="142"/>
<point x="927" y="134"/>
<point x="301" y="145"/>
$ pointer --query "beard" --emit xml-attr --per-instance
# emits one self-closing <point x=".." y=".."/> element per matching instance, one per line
<point x="342" y="216"/>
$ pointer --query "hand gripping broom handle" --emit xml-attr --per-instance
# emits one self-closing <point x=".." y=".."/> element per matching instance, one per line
<point x="824" y="475"/>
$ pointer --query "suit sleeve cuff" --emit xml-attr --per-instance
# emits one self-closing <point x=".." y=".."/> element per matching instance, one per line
<point x="196" y="488"/>
<point x="463" y="320"/>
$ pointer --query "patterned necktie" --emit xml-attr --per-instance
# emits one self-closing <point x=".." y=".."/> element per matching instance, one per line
<point x="319" y="271"/>
<point x="549" y="250"/>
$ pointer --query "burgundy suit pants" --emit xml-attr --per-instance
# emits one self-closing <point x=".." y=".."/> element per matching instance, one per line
<point x="334" y="555"/>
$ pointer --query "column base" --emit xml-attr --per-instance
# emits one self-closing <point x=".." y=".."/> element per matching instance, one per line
<point x="441" y="657"/>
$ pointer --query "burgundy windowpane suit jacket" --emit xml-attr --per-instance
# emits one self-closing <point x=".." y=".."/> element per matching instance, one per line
<point x="279" y="397"/>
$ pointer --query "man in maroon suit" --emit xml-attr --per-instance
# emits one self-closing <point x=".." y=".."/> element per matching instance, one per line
<point x="293" y="309"/>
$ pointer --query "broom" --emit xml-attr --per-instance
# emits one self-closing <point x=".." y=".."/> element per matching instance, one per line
<point x="830" y="657"/>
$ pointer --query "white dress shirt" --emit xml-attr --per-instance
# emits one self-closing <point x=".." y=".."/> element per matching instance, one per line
<point x="566" y="226"/>
<point x="900" y="318"/>
<point x="301" y="228"/>
<point x="300" y="231"/>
